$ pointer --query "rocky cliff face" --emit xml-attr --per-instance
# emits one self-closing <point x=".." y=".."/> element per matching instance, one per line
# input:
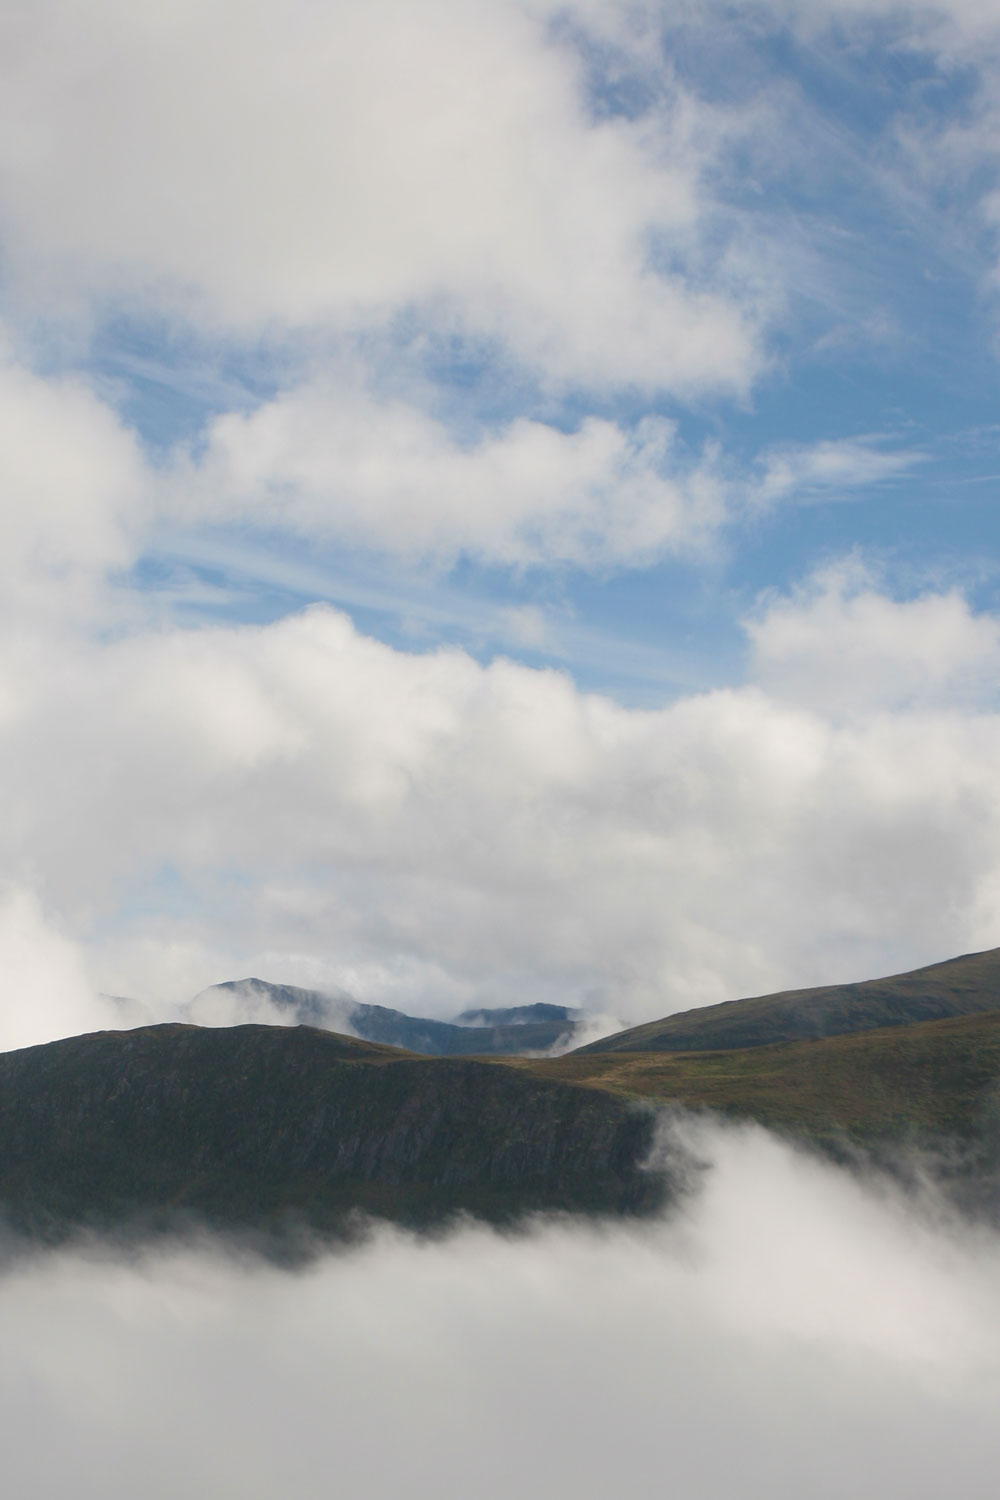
<point x="256" y="1126"/>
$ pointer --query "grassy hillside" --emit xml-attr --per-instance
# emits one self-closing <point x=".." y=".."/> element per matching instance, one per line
<point x="922" y="1083"/>
<point x="969" y="985"/>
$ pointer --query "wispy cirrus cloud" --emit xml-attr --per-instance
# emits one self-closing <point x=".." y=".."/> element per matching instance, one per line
<point x="834" y="468"/>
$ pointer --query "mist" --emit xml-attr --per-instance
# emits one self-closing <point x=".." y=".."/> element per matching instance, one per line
<point x="792" y="1330"/>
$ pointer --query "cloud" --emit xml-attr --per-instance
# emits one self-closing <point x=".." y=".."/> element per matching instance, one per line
<point x="75" y="493"/>
<point x="262" y="167"/>
<point x="937" y="23"/>
<point x="795" y="1332"/>
<point x="419" y="828"/>
<point x="939" y="163"/>
<point x="842" y="646"/>
<point x="334" y="460"/>
<point x="249" y="1002"/>
<point x="535" y="179"/>
<point x="827" y="470"/>
<point x="329" y="460"/>
<point x="46" y="989"/>
<point x="304" y="803"/>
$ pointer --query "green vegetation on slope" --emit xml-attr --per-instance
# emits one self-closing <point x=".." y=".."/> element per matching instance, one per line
<point x="969" y="985"/>
<point x="917" y="1083"/>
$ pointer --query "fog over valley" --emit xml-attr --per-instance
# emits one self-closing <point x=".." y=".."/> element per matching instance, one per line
<point x="792" y="1330"/>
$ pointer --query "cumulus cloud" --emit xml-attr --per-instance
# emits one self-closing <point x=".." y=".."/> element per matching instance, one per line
<point x="331" y="459"/>
<point x="794" y="1332"/>
<point x="335" y="461"/>
<point x="267" y="167"/>
<point x="841" y="645"/>
<point x="304" y="803"/>
<point x="75" y="492"/>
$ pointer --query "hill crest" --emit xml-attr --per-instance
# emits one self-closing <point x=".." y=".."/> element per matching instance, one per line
<point x="967" y="985"/>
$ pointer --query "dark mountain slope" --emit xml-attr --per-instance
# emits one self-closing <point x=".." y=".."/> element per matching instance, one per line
<point x="961" y="986"/>
<point x="252" y="1125"/>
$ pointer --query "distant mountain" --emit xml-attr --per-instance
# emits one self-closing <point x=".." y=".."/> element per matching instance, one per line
<point x="517" y="1029"/>
<point x="520" y="1015"/>
<point x="969" y="985"/>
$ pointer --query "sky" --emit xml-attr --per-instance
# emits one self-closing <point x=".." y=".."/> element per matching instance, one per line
<point x="499" y="501"/>
<point x="499" y="505"/>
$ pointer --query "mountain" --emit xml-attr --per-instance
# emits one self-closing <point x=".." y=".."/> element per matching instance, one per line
<point x="929" y="1084"/>
<point x="516" y="1029"/>
<point x="520" y="1015"/>
<point x="283" y="1128"/>
<point x="265" y="1126"/>
<point x="494" y="1036"/>
<point x="969" y="985"/>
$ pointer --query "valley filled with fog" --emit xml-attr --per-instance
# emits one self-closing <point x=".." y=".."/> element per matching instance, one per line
<point x="787" y="1330"/>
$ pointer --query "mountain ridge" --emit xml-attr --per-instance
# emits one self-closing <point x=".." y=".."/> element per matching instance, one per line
<point x="284" y="1129"/>
<point x="966" y="985"/>
<point x="505" y="1030"/>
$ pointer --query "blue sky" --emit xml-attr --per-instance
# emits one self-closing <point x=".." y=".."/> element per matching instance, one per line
<point x="500" y="500"/>
<point x="885" y="334"/>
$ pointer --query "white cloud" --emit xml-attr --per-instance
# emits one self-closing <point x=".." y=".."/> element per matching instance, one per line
<point x="250" y="1002"/>
<point x="827" y="470"/>
<point x="841" y="646"/>
<point x="329" y="460"/>
<point x="529" y="626"/>
<point x="259" y="166"/>
<point x="333" y="459"/>
<point x="297" y="801"/>
<point x="47" y="992"/>
<point x="794" y="1332"/>
<point x="73" y="493"/>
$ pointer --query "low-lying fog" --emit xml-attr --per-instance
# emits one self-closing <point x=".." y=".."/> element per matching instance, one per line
<point x="792" y="1333"/>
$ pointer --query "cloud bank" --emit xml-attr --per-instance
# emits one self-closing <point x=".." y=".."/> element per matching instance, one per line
<point x="272" y="168"/>
<point x="301" y="802"/>
<point x="794" y="1331"/>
